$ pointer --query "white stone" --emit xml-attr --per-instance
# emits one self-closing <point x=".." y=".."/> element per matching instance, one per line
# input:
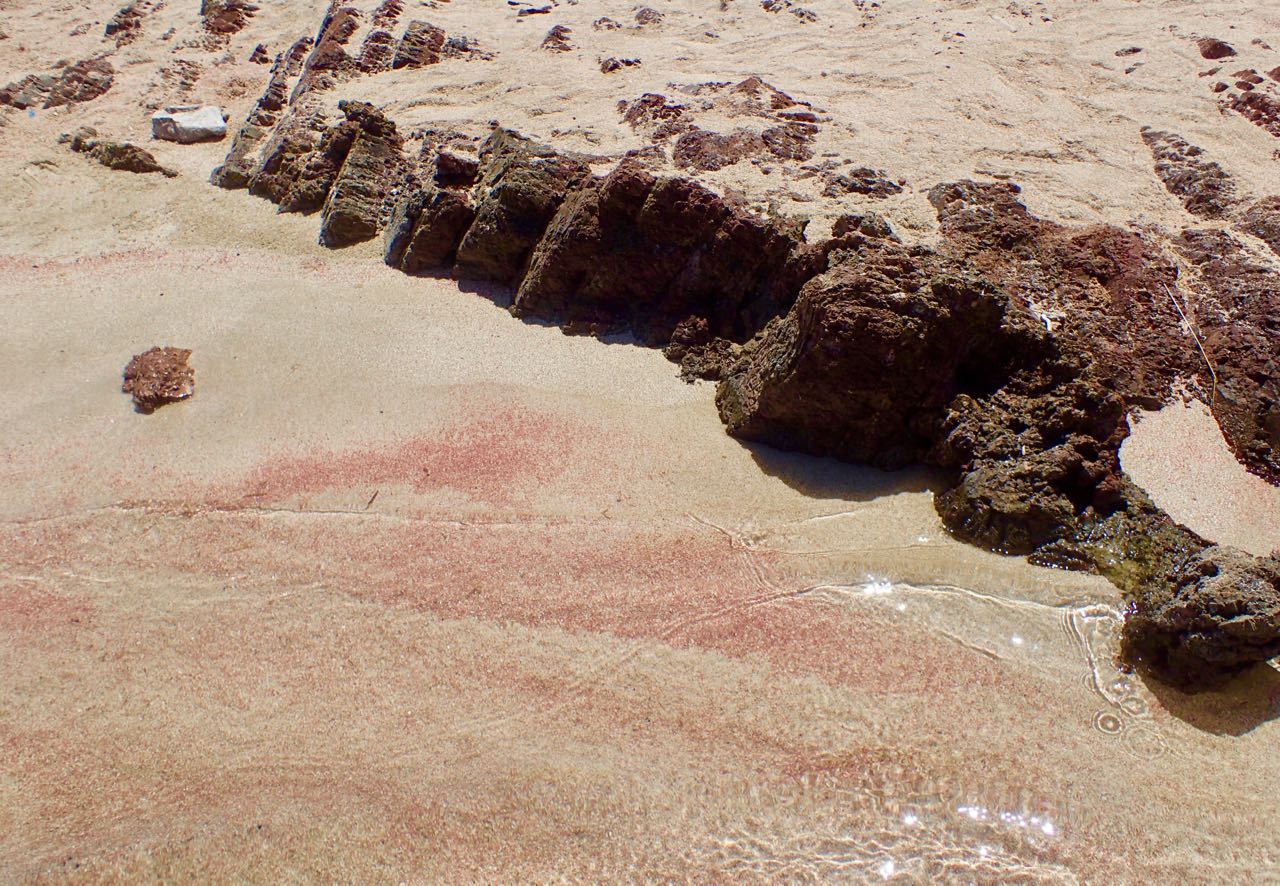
<point x="189" y="123"/>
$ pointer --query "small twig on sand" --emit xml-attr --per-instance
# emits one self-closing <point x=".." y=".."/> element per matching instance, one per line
<point x="1195" y="335"/>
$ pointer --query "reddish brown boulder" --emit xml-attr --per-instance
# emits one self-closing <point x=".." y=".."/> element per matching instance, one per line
<point x="1217" y="614"/>
<point x="121" y="156"/>
<point x="637" y="251"/>
<point x="557" y="39"/>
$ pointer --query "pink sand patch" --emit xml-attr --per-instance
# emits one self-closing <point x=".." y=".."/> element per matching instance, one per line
<point x="490" y="459"/>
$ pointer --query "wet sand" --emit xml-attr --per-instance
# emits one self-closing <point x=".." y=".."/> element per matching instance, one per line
<point x="1179" y="456"/>
<point x="411" y="590"/>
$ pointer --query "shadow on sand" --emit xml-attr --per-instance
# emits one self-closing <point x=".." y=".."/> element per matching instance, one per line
<point x="820" y="477"/>
<point x="1239" y="707"/>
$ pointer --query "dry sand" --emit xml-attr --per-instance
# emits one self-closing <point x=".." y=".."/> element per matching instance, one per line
<point x="411" y="591"/>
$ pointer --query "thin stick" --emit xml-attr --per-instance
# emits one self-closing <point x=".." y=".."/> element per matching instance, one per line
<point x="1213" y="396"/>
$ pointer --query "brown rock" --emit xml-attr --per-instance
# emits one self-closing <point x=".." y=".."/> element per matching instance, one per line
<point x="637" y="251"/>
<point x="116" y="155"/>
<point x="422" y="44"/>
<point x="609" y="65"/>
<point x="871" y="355"/>
<point x="159" y="376"/>
<point x="1262" y="220"/>
<point x="242" y="162"/>
<point x="226" y="17"/>
<point x="521" y="186"/>
<point x="372" y="166"/>
<point x="1217" y="614"/>
<point x="1214" y="49"/>
<point x="557" y="39"/>
<point x="1236" y="318"/>
<point x="862" y="180"/>
<point x="80" y="82"/>
<point x="126" y="25"/>
<point x="1258" y="107"/>
<point x="707" y="151"/>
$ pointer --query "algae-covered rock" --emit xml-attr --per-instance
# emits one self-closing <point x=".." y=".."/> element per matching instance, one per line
<point x="1215" y="615"/>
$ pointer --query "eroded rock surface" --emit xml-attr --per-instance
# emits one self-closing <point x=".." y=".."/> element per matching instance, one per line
<point x="353" y="211"/>
<point x="80" y="82"/>
<point x="121" y="156"/>
<point x="1202" y="185"/>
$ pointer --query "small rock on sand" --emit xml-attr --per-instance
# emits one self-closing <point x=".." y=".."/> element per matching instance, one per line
<point x="159" y="376"/>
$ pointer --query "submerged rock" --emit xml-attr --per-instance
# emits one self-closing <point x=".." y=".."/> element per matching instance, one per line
<point x="1214" y="615"/>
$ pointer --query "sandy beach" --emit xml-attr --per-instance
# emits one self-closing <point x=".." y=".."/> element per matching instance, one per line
<point x="412" y="591"/>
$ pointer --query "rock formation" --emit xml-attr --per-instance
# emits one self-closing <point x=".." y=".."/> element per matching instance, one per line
<point x="115" y="155"/>
<point x="80" y="82"/>
<point x="1008" y="354"/>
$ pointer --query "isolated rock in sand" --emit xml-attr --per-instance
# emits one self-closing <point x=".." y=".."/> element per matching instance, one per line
<point x="80" y="82"/>
<point x="1214" y="49"/>
<point x="115" y="155"/>
<point x="1262" y="220"/>
<point x="874" y="350"/>
<point x="187" y="124"/>
<point x="159" y="376"/>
